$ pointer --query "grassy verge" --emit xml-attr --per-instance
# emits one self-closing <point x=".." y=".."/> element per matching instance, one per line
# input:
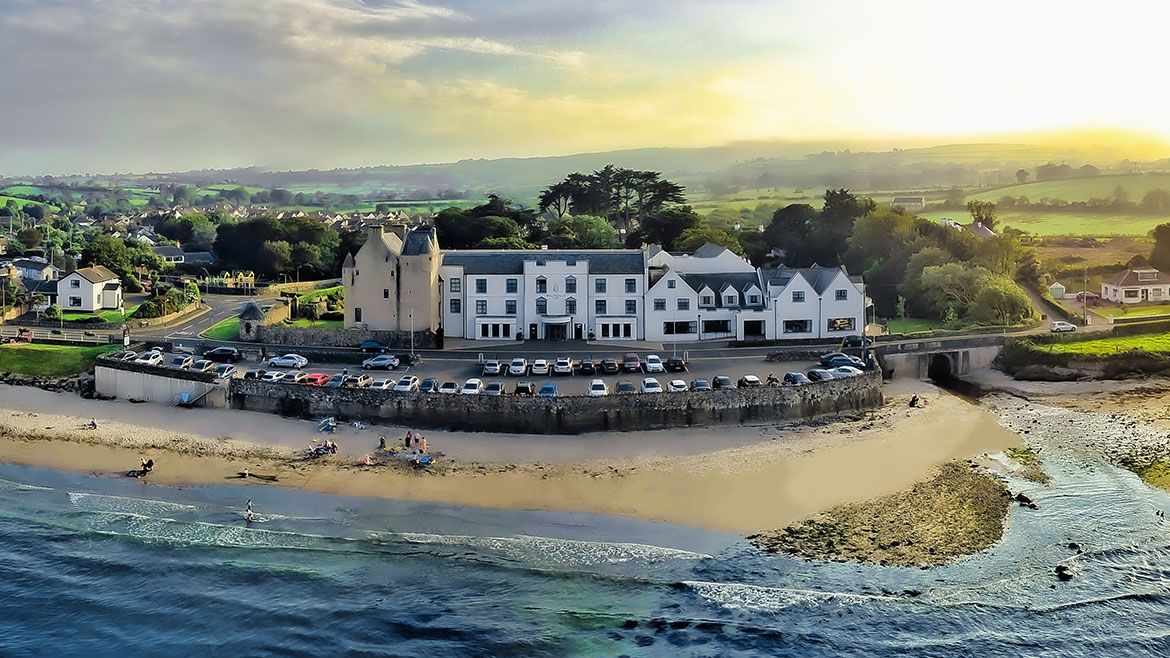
<point x="911" y="325"/>
<point x="111" y="315"/>
<point x="227" y="329"/>
<point x="313" y="295"/>
<point x="1103" y="347"/>
<point x="49" y="360"/>
<point x="1132" y="311"/>
<point x="314" y="324"/>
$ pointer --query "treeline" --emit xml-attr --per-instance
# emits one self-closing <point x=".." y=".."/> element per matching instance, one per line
<point x="1153" y="202"/>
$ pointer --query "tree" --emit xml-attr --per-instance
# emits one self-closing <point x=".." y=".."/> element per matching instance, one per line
<point x="1022" y="176"/>
<point x="955" y="198"/>
<point x="504" y="242"/>
<point x="34" y="210"/>
<point x="693" y="238"/>
<point x="275" y="256"/>
<point x="1160" y="256"/>
<point x="982" y="212"/>
<point x="790" y="227"/>
<point x="557" y="198"/>
<point x="666" y="227"/>
<point x="1001" y="301"/>
<point x="953" y="285"/>
<point x="1156" y="201"/>
<point x="31" y="237"/>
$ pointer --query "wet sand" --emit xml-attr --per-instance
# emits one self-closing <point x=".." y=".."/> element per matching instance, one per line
<point x="738" y="479"/>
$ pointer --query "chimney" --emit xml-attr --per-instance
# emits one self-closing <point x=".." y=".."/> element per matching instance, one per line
<point x="374" y="232"/>
<point x="399" y="230"/>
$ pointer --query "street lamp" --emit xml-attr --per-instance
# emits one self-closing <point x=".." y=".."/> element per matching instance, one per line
<point x="411" y="315"/>
<point x="700" y="328"/>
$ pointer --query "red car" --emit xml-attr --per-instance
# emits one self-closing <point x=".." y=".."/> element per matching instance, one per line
<point x="631" y="363"/>
<point x="316" y="379"/>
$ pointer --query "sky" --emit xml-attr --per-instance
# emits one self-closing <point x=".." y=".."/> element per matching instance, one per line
<point x="162" y="85"/>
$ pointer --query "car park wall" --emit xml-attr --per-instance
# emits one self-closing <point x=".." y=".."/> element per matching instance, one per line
<point x="565" y="415"/>
<point x="297" y="336"/>
<point x="147" y="383"/>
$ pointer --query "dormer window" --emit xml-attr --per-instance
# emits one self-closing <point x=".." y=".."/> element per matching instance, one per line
<point x="708" y="300"/>
<point x="729" y="300"/>
<point x="1147" y="275"/>
<point x="754" y="299"/>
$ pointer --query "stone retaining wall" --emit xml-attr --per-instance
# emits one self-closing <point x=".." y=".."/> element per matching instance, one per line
<point x="310" y="336"/>
<point x="566" y="415"/>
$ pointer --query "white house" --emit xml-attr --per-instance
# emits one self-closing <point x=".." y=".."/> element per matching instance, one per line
<point x="909" y="203"/>
<point x="36" y="269"/>
<point x="89" y="289"/>
<point x="1144" y="284"/>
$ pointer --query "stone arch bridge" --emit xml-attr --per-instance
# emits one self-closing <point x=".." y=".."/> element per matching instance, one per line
<point x="939" y="358"/>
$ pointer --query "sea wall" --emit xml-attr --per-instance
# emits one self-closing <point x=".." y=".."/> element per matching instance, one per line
<point x="566" y="415"/>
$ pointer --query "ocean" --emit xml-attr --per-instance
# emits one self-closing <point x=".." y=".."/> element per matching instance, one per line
<point x="118" y="567"/>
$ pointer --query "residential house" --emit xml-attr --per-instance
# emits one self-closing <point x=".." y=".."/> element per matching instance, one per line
<point x="89" y="289"/>
<point x="909" y="203"/>
<point x="1133" y="286"/>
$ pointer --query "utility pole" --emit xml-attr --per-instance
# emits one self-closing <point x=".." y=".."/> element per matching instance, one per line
<point x="411" y="314"/>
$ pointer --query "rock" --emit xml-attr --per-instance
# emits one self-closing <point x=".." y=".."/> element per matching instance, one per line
<point x="1073" y="546"/>
<point x="1062" y="572"/>
<point x="1022" y="499"/>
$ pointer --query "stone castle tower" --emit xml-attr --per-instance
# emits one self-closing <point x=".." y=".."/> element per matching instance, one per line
<point x="393" y="280"/>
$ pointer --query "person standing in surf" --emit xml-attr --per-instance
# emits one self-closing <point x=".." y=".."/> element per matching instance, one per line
<point x="249" y="516"/>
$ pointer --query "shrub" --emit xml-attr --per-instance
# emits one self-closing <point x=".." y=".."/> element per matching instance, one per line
<point x="148" y="309"/>
<point x="52" y="313"/>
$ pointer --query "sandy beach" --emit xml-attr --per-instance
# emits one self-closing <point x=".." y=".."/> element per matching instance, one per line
<point x="736" y="479"/>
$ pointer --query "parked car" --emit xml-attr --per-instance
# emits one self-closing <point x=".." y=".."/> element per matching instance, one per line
<point x="336" y="381"/>
<point x="828" y="356"/>
<point x="406" y="384"/>
<point x="676" y="386"/>
<point x="855" y="342"/>
<point x="272" y="376"/>
<point x="1061" y="326"/>
<point x="820" y="375"/>
<point x="586" y="366"/>
<point x="518" y="367"/>
<point x="524" y="388"/>
<point x="255" y="373"/>
<point x="288" y="361"/>
<point x="610" y="366"/>
<point x="449" y="388"/>
<point x="597" y="388"/>
<point x="794" y="378"/>
<point x="549" y="390"/>
<point x="429" y="385"/>
<point x="358" y="381"/>
<point x="373" y="347"/>
<point x="654" y="363"/>
<point x="381" y="362"/>
<point x="124" y="355"/>
<point x="492" y="368"/>
<point x="296" y="376"/>
<point x="494" y="388"/>
<point x="844" y="360"/>
<point x="202" y="365"/>
<point x="675" y="364"/>
<point x="181" y="362"/>
<point x="723" y="382"/>
<point x="631" y="363"/>
<point x="841" y="372"/>
<point x="626" y="388"/>
<point x="382" y="384"/>
<point x="224" y="371"/>
<point x="562" y="366"/>
<point x="317" y="379"/>
<point x="473" y="386"/>
<point x="539" y="367"/>
<point x="651" y="385"/>
<point x="223" y="355"/>
<point x="700" y="385"/>
<point x="750" y="381"/>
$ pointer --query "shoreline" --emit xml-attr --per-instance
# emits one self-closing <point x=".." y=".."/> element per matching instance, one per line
<point x="749" y="480"/>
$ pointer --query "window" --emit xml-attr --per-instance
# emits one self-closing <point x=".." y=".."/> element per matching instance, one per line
<point x="455" y="285"/>
<point x="840" y="324"/>
<point x="75" y="283"/>
<point x="631" y="307"/>
<point x="599" y="285"/>
<point x="510" y="307"/>
<point x="483" y="331"/>
<point x="357" y="315"/>
<point x="510" y="286"/>
<point x="631" y="285"/>
<point x="1130" y="293"/>
<point x="842" y="295"/>
<point x="456" y="306"/>
<point x="670" y="284"/>
<point x="797" y="326"/>
<point x="754" y="299"/>
<point x="659" y="304"/>
<point x="481" y="286"/>
<point x="672" y="328"/>
<point x="707" y="300"/>
<point x="385" y="293"/>
<point x="570" y="306"/>
<point x="730" y="300"/>
<point x="541" y="306"/>
<point x="684" y="304"/>
<point x="571" y="284"/>
<point x="481" y="307"/>
<point x="716" y="326"/>
<point x="75" y="301"/>
<point x="605" y="331"/>
<point x="599" y="307"/>
<point x="798" y="296"/>
<point x="541" y="285"/>
<point x="627" y="330"/>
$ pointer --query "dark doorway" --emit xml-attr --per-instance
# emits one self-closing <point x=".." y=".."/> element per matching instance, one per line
<point x="556" y="332"/>
<point x="532" y="331"/>
<point x="753" y="329"/>
<point x="578" y="331"/>
<point x="941" y="369"/>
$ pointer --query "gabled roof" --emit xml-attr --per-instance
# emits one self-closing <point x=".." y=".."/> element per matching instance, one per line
<point x="35" y="286"/>
<point x="709" y="250"/>
<point x="1130" y="278"/>
<point x="723" y="282"/>
<point x="605" y="261"/>
<point x="820" y="278"/>
<point x="252" y="311"/>
<point x="96" y="274"/>
<point x="31" y="264"/>
<point x="167" y="251"/>
<point x="199" y="257"/>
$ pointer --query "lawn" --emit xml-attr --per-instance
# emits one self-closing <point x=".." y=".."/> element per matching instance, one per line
<point x="912" y="325"/>
<point x="1055" y="222"/>
<point x="315" y="324"/>
<point x="49" y="360"/>
<point x="1109" y="346"/>
<point x="226" y="329"/>
<point x="1129" y="311"/>
<point x="319" y="293"/>
<point x="112" y="315"/>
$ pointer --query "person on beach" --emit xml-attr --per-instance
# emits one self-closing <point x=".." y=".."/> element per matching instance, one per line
<point x="248" y="514"/>
<point x="93" y="423"/>
<point x="147" y="466"/>
<point x="422" y="445"/>
<point x="382" y="442"/>
<point x="409" y="438"/>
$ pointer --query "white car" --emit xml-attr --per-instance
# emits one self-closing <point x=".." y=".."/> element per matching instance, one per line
<point x="288" y="361"/>
<point x="1061" y="326"/>
<point x="563" y="366"/>
<point x="492" y="367"/>
<point x="518" y="367"/>
<point x="181" y="362"/>
<point x="381" y="362"/>
<point x="449" y="388"/>
<point x="473" y="386"/>
<point x="845" y="371"/>
<point x="653" y="363"/>
<point x="651" y="385"/>
<point x="540" y="367"/>
<point x="676" y="386"/>
<point x="494" y="388"/>
<point x="407" y="384"/>
<point x="382" y="384"/>
<point x="225" y="371"/>
<point x="150" y="358"/>
<point x="272" y="376"/>
<point x="597" y="389"/>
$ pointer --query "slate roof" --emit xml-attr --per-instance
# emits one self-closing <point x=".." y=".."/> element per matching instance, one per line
<point x="718" y="282"/>
<point x="167" y="251"/>
<point x="113" y="285"/>
<point x="199" y="257"/>
<point x="609" y="261"/>
<point x="418" y="242"/>
<point x="96" y="274"/>
<point x="252" y="311"/>
<point x="35" y="287"/>
<point x="30" y="264"/>
<point x="820" y="278"/>
<point x="709" y="250"/>
<point x="1130" y="278"/>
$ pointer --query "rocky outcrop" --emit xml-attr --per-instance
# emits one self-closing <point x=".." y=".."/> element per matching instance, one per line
<point x="55" y="384"/>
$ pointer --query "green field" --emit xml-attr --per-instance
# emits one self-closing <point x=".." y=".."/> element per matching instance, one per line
<point x="227" y="329"/>
<point x="1130" y="311"/>
<point x="912" y="325"/>
<point x="1158" y="343"/>
<point x="22" y="190"/>
<point x="1055" y="222"/>
<point x="315" y="324"/>
<point x="113" y="315"/>
<point x="49" y="360"/>
<point x="20" y="203"/>
<point x="1081" y="189"/>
